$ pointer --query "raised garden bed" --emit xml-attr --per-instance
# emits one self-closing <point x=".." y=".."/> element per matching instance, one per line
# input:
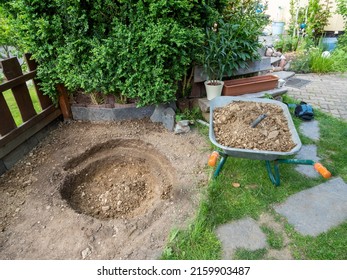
<point x="84" y="109"/>
<point x="249" y="85"/>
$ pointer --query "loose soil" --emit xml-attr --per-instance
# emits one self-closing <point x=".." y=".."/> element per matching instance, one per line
<point x="232" y="127"/>
<point x="101" y="191"/>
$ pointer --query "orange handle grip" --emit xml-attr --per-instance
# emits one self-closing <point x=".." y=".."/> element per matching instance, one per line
<point x="322" y="170"/>
<point x="212" y="160"/>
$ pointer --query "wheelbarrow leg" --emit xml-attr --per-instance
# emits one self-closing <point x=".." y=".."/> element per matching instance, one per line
<point x="220" y="164"/>
<point x="275" y="175"/>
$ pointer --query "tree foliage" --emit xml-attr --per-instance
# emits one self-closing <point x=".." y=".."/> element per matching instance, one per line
<point x="342" y="9"/>
<point x="318" y="14"/>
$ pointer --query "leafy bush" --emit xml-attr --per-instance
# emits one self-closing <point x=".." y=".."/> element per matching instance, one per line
<point x="8" y="36"/>
<point x="312" y="60"/>
<point x="301" y="63"/>
<point x="139" y="49"/>
<point x="319" y="63"/>
<point x="287" y="44"/>
<point x="232" y="41"/>
<point x="342" y="39"/>
<point x="339" y="57"/>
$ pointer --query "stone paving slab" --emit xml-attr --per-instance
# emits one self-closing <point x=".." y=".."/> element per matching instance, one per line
<point x="284" y="75"/>
<point x="310" y="129"/>
<point x="307" y="152"/>
<point x="318" y="209"/>
<point x="244" y="233"/>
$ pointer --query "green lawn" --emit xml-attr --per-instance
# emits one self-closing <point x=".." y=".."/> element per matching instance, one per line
<point x="222" y="203"/>
<point x="11" y="102"/>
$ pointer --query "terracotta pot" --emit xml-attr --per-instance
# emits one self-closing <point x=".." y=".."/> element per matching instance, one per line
<point x="213" y="91"/>
<point x="249" y="85"/>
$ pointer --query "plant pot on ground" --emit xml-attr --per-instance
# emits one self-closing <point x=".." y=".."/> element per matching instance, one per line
<point x="214" y="60"/>
<point x="213" y="88"/>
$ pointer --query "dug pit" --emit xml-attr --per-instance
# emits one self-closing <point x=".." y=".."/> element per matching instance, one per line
<point x="117" y="179"/>
<point x="37" y="220"/>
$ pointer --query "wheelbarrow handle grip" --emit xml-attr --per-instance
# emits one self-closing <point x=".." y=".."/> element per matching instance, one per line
<point x="212" y="160"/>
<point x="322" y="170"/>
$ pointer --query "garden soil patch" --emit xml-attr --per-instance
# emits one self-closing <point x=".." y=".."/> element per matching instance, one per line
<point x="232" y="127"/>
<point x="101" y="191"/>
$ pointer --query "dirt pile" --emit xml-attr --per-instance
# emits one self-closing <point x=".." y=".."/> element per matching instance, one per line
<point x="232" y="127"/>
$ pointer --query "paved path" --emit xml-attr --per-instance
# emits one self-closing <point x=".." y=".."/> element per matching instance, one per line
<point x="327" y="92"/>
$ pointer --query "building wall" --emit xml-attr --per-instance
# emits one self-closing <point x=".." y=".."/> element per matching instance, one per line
<point x="279" y="11"/>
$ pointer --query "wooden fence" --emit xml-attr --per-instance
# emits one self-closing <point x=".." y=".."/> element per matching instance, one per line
<point x="12" y="136"/>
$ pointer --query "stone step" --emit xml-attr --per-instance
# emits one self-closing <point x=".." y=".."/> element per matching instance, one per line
<point x="275" y="60"/>
<point x="284" y="75"/>
<point x="317" y="209"/>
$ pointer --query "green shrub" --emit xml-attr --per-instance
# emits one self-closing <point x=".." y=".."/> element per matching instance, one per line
<point x="139" y="49"/>
<point x="287" y="44"/>
<point x="313" y="61"/>
<point x="339" y="57"/>
<point x="319" y="63"/>
<point x="301" y="63"/>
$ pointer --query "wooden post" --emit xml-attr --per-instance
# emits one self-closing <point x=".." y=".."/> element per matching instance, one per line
<point x="7" y="123"/>
<point x="64" y="102"/>
<point x="12" y="70"/>
<point x="45" y="101"/>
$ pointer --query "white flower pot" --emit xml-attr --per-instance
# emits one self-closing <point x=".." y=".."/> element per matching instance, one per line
<point x="277" y="28"/>
<point x="213" y="91"/>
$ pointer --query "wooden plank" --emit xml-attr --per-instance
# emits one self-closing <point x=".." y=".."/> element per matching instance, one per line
<point x="7" y="122"/>
<point x="18" y="136"/>
<point x="11" y="70"/>
<point x="45" y="101"/>
<point x="64" y="102"/>
<point x="17" y="81"/>
<point x="27" y="125"/>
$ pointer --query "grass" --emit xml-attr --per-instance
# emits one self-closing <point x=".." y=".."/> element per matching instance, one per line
<point x="274" y="239"/>
<point x="223" y="203"/>
<point x="11" y="103"/>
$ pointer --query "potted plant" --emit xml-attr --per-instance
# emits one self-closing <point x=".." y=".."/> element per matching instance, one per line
<point x="214" y="61"/>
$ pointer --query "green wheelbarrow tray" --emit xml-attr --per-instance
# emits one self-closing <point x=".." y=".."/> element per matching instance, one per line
<point x="269" y="156"/>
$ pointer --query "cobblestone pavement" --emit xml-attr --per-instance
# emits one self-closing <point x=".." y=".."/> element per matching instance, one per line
<point x="327" y="92"/>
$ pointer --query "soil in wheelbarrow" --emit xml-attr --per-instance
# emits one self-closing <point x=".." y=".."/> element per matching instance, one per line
<point x="232" y="127"/>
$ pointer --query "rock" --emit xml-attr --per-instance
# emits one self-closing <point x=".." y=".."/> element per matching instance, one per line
<point x="105" y="208"/>
<point x="182" y="127"/>
<point x="204" y="105"/>
<point x="273" y="134"/>
<point x="158" y="113"/>
<point x="86" y="253"/>
<point x="169" y="119"/>
<point x="184" y="123"/>
<point x="269" y="52"/>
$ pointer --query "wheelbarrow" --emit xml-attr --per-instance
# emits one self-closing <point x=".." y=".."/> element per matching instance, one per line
<point x="272" y="158"/>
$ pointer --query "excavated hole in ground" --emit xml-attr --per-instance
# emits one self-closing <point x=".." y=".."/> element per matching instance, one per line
<point x="123" y="181"/>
